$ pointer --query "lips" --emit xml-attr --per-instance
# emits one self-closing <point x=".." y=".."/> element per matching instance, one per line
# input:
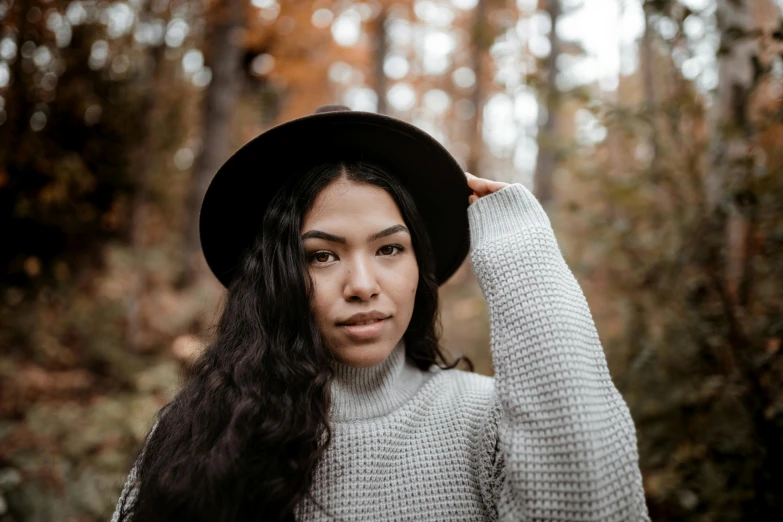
<point x="365" y="332"/>
<point x="364" y="326"/>
<point x="363" y="318"/>
<point x="364" y="322"/>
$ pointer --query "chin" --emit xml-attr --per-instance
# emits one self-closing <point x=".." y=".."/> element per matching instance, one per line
<point x="364" y="355"/>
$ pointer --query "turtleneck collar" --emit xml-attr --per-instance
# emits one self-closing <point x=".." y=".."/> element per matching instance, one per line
<point x="375" y="391"/>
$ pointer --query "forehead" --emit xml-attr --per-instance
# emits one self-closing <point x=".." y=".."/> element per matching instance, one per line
<point x="350" y="205"/>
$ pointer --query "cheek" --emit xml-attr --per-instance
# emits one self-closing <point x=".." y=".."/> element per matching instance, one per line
<point x="411" y="283"/>
<point x="320" y="300"/>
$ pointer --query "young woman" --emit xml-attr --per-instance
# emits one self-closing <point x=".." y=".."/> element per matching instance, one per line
<point x="326" y="396"/>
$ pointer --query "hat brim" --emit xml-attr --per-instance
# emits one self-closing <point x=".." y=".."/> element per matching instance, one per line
<point x="233" y="207"/>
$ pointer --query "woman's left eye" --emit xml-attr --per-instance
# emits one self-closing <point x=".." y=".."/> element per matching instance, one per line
<point x="389" y="250"/>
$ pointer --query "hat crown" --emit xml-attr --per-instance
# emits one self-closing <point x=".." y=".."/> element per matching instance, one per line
<point x="331" y="108"/>
<point x="235" y="203"/>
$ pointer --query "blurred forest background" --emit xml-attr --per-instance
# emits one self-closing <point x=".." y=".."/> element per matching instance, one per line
<point x="652" y="131"/>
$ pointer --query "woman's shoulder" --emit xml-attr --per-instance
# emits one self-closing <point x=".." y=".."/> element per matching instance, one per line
<point x="463" y="400"/>
<point x="463" y="388"/>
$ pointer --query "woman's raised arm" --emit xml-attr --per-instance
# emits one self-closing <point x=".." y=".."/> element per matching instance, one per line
<point x="566" y="444"/>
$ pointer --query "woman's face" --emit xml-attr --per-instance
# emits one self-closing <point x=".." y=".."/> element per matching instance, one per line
<point x="362" y="262"/>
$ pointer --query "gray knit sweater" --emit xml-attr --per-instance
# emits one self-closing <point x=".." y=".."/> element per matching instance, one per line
<point x="549" y="438"/>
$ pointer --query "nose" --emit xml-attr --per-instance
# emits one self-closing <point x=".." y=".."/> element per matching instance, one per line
<point x="361" y="282"/>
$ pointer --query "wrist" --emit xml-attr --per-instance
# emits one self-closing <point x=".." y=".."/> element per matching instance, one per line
<point x="504" y="212"/>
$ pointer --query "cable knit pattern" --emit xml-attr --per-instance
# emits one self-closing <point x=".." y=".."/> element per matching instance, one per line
<point x="549" y="438"/>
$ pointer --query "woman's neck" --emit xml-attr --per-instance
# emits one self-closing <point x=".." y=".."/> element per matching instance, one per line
<point x="366" y="393"/>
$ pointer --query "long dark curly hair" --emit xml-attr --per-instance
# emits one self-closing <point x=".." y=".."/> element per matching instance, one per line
<point x="241" y="440"/>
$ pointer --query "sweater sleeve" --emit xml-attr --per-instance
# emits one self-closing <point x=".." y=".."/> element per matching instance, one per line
<point x="566" y="439"/>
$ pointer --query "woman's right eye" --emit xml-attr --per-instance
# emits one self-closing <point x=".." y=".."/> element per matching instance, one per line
<point x="321" y="256"/>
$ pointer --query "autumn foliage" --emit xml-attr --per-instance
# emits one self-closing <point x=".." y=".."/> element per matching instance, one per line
<point x="664" y="184"/>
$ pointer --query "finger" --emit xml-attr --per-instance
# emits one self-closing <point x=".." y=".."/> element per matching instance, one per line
<point x="479" y="185"/>
<point x="482" y="186"/>
<point x="472" y="199"/>
<point x="494" y="186"/>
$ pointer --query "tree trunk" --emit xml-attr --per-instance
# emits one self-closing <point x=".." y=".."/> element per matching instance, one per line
<point x="731" y="132"/>
<point x="743" y="62"/>
<point x="380" y="51"/>
<point x="548" y="130"/>
<point x="224" y="54"/>
<point x="481" y="41"/>
<point x="648" y="63"/>
<point x="145" y="156"/>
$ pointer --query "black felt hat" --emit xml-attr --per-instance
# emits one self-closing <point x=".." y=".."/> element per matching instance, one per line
<point x="234" y="204"/>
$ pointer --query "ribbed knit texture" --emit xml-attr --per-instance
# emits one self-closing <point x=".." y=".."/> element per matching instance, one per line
<point x="549" y="438"/>
<point x="366" y="393"/>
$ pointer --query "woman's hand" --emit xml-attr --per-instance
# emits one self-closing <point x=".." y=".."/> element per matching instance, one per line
<point x="481" y="187"/>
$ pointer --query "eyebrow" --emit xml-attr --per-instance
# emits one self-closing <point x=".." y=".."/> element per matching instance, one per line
<point x="318" y="234"/>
